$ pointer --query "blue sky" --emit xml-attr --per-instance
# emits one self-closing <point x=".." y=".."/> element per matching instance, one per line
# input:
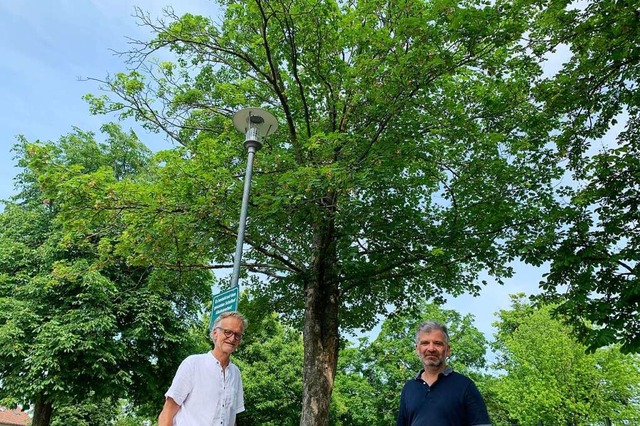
<point x="49" y="46"/>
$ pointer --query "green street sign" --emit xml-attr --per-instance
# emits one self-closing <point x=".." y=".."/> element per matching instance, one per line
<point x="225" y="301"/>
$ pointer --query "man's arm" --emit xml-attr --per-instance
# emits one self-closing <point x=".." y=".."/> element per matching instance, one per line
<point x="400" y="421"/>
<point x="476" y="407"/>
<point x="168" y="412"/>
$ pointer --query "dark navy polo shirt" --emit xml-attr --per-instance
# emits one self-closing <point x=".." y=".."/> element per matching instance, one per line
<point x="452" y="400"/>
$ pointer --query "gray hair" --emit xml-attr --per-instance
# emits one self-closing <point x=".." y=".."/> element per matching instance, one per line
<point x="431" y="326"/>
<point x="234" y="314"/>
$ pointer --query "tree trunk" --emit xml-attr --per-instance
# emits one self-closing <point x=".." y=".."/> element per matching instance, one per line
<point x="42" y="412"/>
<point x="320" y="329"/>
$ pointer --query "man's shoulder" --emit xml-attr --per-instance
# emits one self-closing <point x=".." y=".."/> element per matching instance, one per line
<point x="413" y="382"/>
<point x="197" y="358"/>
<point x="233" y="368"/>
<point x="459" y="377"/>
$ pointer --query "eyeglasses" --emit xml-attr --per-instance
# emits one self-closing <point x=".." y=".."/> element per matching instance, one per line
<point x="229" y="333"/>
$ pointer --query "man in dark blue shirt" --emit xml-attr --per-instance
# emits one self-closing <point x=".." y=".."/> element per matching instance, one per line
<point x="438" y="396"/>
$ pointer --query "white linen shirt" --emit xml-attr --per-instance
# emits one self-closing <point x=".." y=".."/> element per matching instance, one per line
<point x="206" y="396"/>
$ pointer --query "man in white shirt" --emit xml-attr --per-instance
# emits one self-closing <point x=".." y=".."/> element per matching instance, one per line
<point x="207" y="388"/>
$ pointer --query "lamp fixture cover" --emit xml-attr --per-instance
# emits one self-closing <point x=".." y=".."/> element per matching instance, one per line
<point x="255" y="118"/>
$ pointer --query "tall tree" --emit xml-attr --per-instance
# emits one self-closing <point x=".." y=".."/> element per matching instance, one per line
<point x="550" y="377"/>
<point x="409" y="158"/>
<point x="594" y="256"/>
<point x="78" y="326"/>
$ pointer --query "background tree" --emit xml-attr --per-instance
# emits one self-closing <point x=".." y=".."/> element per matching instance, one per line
<point x="85" y="413"/>
<point x="371" y="376"/>
<point x="549" y="377"/>
<point x="410" y="156"/>
<point x="270" y="359"/>
<point x="594" y="256"/>
<point x="78" y="327"/>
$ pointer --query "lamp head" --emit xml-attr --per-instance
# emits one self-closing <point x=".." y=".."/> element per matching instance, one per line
<point x="256" y="124"/>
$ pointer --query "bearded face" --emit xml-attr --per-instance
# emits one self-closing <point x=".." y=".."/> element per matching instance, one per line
<point x="432" y="349"/>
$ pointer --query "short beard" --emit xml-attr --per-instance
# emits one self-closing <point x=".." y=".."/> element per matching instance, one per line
<point x="432" y="363"/>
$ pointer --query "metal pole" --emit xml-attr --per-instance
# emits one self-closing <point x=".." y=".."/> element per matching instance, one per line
<point x="255" y="123"/>
<point x="252" y="147"/>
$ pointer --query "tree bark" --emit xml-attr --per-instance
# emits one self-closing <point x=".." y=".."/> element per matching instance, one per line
<point x="42" y="412"/>
<point x="320" y="329"/>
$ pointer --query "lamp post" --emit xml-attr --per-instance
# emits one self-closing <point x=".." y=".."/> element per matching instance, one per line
<point x="256" y="124"/>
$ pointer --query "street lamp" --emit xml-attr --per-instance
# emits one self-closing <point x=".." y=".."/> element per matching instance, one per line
<point x="256" y="124"/>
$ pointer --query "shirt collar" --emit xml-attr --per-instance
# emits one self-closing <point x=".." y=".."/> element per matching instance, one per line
<point x="448" y="370"/>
